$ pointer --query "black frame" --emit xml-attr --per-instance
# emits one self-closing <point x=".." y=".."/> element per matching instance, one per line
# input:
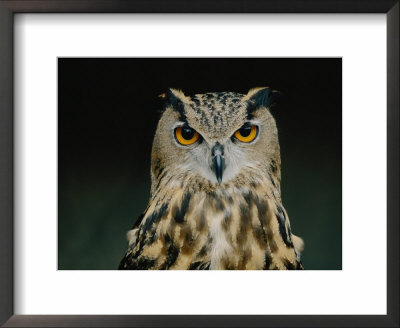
<point x="7" y="10"/>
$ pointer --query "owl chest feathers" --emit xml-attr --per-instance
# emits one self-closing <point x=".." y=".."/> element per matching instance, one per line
<point x="234" y="228"/>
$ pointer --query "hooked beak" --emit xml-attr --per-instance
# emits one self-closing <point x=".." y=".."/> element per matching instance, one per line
<point x="218" y="161"/>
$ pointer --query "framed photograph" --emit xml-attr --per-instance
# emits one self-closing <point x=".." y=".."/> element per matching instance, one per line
<point x="217" y="164"/>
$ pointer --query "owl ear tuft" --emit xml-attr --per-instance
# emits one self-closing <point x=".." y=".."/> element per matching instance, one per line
<point x="261" y="97"/>
<point x="175" y="99"/>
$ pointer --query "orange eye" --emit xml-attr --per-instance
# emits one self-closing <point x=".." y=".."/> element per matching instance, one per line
<point x="186" y="136"/>
<point x="246" y="133"/>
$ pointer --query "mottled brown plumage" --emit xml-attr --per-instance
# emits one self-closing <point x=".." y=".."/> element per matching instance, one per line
<point x="199" y="218"/>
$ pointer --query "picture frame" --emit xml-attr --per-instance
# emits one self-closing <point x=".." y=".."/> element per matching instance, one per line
<point x="7" y="10"/>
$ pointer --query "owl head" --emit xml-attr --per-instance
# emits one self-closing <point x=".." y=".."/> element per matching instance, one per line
<point x="217" y="138"/>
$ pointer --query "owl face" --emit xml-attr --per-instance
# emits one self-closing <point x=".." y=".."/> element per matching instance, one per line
<point x="216" y="136"/>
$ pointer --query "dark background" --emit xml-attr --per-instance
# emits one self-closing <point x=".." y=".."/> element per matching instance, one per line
<point x="108" y="110"/>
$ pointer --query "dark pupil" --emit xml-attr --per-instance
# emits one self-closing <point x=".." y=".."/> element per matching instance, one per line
<point x="245" y="131"/>
<point x="187" y="133"/>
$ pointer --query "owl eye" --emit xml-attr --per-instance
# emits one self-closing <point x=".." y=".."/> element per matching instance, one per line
<point x="246" y="133"/>
<point x="186" y="135"/>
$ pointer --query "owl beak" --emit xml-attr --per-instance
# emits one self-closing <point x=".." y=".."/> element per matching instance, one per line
<point x="218" y="161"/>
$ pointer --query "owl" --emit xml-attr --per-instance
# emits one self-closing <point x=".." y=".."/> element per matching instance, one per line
<point x="215" y="198"/>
